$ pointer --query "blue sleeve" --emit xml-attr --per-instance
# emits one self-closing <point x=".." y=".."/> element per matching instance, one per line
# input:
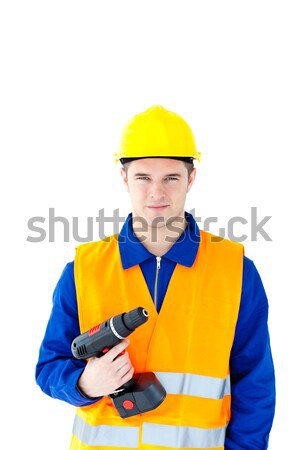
<point x="57" y="371"/>
<point x="251" y="369"/>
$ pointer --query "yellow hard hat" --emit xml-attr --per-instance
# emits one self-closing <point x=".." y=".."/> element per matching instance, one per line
<point x="157" y="132"/>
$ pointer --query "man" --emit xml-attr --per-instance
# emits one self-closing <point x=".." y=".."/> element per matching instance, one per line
<point x="207" y="336"/>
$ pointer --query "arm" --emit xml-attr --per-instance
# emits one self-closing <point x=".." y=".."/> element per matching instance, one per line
<point x="251" y="369"/>
<point x="57" y="371"/>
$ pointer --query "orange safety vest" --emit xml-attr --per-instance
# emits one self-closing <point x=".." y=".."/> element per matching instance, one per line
<point x="187" y="345"/>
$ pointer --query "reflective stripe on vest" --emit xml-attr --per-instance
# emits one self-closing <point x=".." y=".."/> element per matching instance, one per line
<point x="152" y="434"/>
<point x="182" y="437"/>
<point x="196" y="385"/>
<point x="113" y="436"/>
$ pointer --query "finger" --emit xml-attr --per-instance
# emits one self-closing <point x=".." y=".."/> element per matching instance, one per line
<point x="115" y="351"/>
<point x="120" y="362"/>
<point x="128" y="375"/>
<point x="124" y="370"/>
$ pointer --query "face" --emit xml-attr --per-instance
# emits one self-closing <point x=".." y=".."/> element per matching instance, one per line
<point x="157" y="188"/>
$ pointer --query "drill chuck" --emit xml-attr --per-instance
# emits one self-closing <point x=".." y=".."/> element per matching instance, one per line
<point x="135" y="318"/>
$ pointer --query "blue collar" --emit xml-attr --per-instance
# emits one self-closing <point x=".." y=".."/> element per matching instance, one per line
<point x="183" y="251"/>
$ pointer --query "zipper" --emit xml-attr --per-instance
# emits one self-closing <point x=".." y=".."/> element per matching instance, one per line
<point x="158" y="259"/>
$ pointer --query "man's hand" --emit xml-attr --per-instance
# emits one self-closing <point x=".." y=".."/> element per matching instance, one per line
<point x="104" y="375"/>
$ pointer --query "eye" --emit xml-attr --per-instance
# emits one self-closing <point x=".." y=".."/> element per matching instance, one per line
<point x="171" y="179"/>
<point x="143" y="178"/>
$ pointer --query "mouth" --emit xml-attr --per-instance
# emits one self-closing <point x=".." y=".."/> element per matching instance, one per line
<point x="157" y="207"/>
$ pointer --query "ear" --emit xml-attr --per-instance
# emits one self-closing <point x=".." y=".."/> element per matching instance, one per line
<point x="124" y="177"/>
<point x="191" y="179"/>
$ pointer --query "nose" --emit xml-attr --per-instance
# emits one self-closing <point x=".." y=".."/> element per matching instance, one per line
<point x="157" y="191"/>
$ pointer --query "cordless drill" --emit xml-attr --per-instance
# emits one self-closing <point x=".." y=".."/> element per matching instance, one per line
<point x="143" y="392"/>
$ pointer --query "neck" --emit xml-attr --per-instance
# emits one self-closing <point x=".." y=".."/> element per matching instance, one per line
<point x="158" y="240"/>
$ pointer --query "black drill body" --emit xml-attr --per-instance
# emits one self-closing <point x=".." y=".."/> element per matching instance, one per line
<point x="108" y="334"/>
<point x="143" y="392"/>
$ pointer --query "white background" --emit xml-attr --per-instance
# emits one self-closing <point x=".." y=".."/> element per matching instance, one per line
<point x="72" y="74"/>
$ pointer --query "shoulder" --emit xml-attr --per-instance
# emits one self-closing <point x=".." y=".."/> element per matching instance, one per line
<point x="215" y="239"/>
<point x="218" y="244"/>
<point x="250" y="271"/>
<point x="248" y="265"/>
<point x="107" y="244"/>
<point x="253" y="291"/>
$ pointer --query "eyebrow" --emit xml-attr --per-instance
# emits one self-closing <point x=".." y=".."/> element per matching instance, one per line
<point x="141" y="174"/>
